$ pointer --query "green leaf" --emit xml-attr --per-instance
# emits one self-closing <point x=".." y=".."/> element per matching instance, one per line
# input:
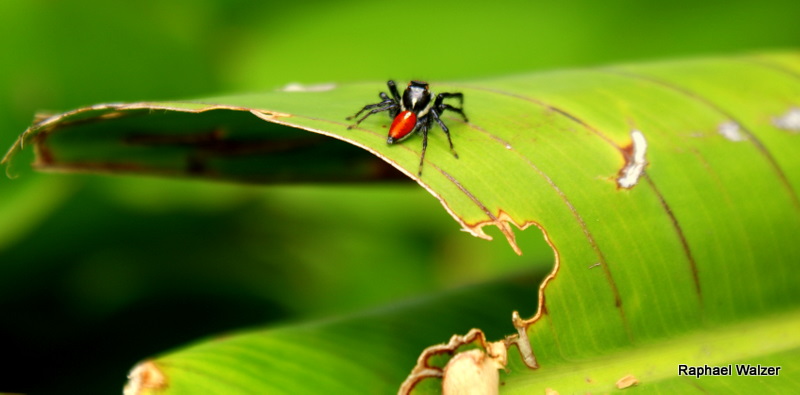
<point x="366" y="353"/>
<point x="668" y="192"/>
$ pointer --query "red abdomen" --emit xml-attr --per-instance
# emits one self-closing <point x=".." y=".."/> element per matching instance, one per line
<point x="402" y="125"/>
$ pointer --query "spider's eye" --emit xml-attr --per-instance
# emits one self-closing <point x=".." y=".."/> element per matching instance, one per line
<point x="419" y="84"/>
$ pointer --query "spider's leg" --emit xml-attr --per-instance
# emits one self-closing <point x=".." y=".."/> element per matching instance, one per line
<point x="393" y="111"/>
<point x="375" y="110"/>
<point x="424" y="126"/>
<point x="393" y="90"/>
<point x="445" y="95"/>
<point x="435" y="116"/>
<point x="443" y="107"/>
<point x="439" y="103"/>
<point x="387" y="101"/>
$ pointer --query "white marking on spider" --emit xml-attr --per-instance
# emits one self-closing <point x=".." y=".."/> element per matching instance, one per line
<point x="635" y="167"/>
<point x="789" y="121"/>
<point x="731" y="131"/>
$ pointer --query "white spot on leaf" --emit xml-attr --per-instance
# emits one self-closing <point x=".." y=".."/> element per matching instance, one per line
<point x="144" y="376"/>
<point x="522" y="341"/>
<point x="470" y="372"/>
<point x="475" y="371"/>
<point x="731" y="131"/>
<point x="297" y="87"/>
<point x="635" y="167"/>
<point x="627" y="381"/>
<point x="789" y="121"/>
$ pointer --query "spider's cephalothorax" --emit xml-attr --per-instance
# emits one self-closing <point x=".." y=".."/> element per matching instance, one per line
<point x="413" y="112"/>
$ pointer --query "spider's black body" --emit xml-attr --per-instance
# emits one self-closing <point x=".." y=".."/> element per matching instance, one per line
<point x="413" y="112"/>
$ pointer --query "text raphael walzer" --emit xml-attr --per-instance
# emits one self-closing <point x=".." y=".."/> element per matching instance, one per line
<point x="727" y="370"/>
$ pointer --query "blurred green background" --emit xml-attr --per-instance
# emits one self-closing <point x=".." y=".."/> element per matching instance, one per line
<point x="97" y="272"/>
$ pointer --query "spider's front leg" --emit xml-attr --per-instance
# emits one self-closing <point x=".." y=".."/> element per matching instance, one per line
<point x="439" y="103"/>
<point x="393" y="90"/>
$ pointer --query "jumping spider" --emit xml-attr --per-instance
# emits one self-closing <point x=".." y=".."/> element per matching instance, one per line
<point x="414" y="112"/>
